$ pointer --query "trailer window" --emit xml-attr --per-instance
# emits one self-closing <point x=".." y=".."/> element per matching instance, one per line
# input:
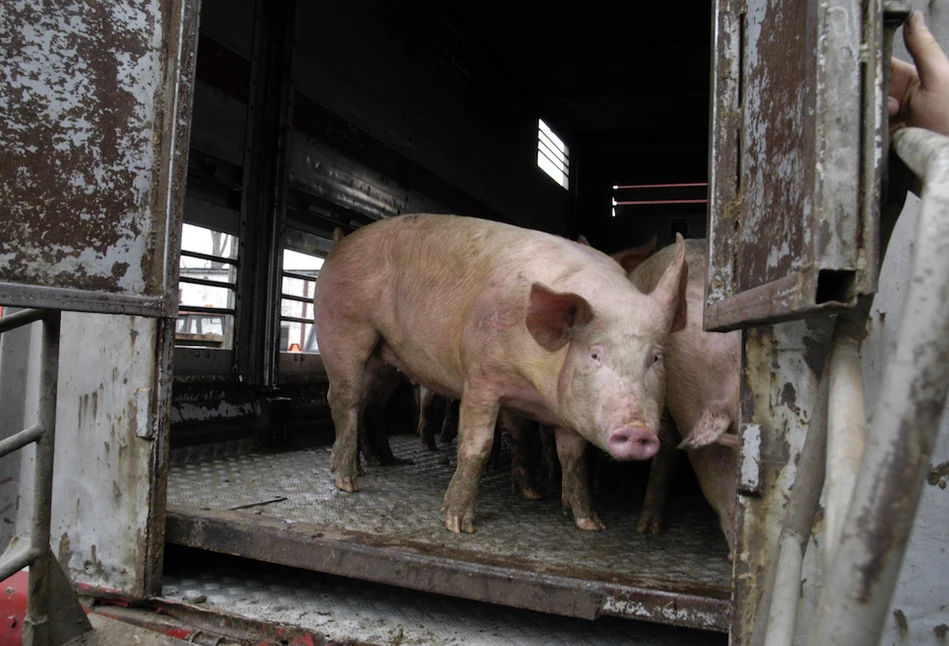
<point x="207" y="288"/>
<point x="296" y="301"/>
<point x="553" y="157"/>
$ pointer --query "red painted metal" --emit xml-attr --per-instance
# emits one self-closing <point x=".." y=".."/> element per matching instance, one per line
<point x="13" y="608"/>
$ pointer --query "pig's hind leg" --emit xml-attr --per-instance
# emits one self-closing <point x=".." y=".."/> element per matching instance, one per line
<point x="477" y="417"/>
<point x="346" y="362"/>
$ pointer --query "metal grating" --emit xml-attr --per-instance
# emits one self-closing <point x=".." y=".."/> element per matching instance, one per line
<point x="284" y="507"/>
<point x="345" y="609"/>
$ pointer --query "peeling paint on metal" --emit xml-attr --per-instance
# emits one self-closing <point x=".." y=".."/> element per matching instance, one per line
<point x="81" y="97"/>
<point x="750" y="478"/>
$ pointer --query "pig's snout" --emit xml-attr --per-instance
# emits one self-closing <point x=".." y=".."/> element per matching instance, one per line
<point x="633" y="443"/>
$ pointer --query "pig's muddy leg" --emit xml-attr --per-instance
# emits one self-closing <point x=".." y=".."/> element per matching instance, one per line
<point x="571" y="449"/>
<point x="477" y="417"/>
<point x="345" y="456"/>
<point x="346" y="368"/>
<point x="660" y="479"/>
<point x="517" y="430"/>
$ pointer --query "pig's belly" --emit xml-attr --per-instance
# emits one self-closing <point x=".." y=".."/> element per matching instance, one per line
<point x="519" y="397"/>
<point x="423" y="371"/>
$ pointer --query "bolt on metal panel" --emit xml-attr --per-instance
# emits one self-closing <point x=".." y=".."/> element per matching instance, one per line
<point x="95" y="101"/>
<point x="796" y="136"/>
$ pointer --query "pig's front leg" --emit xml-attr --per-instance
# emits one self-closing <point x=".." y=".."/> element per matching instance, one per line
<point x="571" y="449"/>
<point x="660" y="478"/>
<point x="477" y="416"/>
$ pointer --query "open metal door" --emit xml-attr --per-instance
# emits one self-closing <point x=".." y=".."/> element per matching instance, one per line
<point x="797" y="141"/>
<point x="96" y="104"/>
<point x="796" y="146"/>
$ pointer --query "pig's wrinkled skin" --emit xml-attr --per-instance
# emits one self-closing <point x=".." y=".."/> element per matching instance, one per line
<point x="703" y="373"/>
<point x="495" y="315"/>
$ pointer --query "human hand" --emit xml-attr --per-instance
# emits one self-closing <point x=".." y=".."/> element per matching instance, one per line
<point x="919" y="94"/>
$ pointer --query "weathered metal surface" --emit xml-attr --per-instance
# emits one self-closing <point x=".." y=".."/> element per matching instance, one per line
<point x="106" y="520"/>
<point x="525" y="553"/>
<point x="260" y="598"/>
<point x="94" y="140"/>
<point x="16" y="347"/>
<point x="781" y="395"/>
<point x="905" y="422"/>
<point x="788" y="230"/>
<point x="53" y="614"/>
<point x="317" y="170"/>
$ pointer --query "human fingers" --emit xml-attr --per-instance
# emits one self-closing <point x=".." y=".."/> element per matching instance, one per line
<point x="931" y="62"/>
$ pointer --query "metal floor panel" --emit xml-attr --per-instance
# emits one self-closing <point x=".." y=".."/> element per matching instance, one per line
<point x="285" y="508"/>
<point x="345" y="610"/>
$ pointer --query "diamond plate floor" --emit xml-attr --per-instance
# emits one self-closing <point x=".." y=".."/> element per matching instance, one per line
<point x="345" y="610"/>
<point x="400" y="505"/>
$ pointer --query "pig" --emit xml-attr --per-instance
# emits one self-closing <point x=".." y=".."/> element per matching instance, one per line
<point x="435" y="410"/>
<point x="493" y="314"/>
<point x="703" y="376"/>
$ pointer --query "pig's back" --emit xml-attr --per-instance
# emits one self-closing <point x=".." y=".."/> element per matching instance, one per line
<point x="417" y="278"/>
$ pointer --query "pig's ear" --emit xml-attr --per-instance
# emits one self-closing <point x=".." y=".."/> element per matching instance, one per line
<point x="582" y="239"/>
<point x="635" y="256"/>
<point x="671" y="288"/>
<point x="552" y="316"/>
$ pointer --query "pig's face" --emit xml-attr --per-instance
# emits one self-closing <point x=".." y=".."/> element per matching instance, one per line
<point x="613" y="385"/>
<point x="611" y="388"/>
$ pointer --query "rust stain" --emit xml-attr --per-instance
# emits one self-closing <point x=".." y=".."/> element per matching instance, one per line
<point x="938" y="475"/>
<point x="64" y="548"/>
<point x="82" y="83"/>
<point x="901" y="623"/>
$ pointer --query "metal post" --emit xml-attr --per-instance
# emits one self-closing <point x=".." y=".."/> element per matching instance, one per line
<point x="847" y="421"/>
<point x="860" y="583"/>
<point x="36" y="628"/>
<point x="802" y="508"/>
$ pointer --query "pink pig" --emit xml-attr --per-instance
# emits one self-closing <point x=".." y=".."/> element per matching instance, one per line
<point x="496" y="315"/>
<point x="703" y="372"/>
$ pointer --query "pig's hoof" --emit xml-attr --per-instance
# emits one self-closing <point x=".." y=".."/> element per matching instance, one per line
<point x="650" y="525"/>
<point x="347" y="484"/>
<point x="531" y="494"/>
<point x="458" y="525"/>
<point x="372" y="459"/>
<point x="591" y="523"/>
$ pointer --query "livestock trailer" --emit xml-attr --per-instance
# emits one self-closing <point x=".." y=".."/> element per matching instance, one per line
<point x="172" y="177"/>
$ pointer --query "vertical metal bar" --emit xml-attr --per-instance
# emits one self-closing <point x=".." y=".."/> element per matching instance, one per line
<point x="860" y="584"/>
<point x="285" y="31"/>
<point x="36" y="627"/>
<point x="847" y="421"/>
<point x="781" y="384"/>
<point x="802" y="509"/>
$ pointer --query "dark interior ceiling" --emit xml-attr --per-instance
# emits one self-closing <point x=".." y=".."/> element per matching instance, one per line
<point x="623" y="79"/>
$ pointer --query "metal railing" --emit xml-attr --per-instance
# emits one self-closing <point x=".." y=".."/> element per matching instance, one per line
<point x="53" y="614"/>
<point x="875" y="475"/>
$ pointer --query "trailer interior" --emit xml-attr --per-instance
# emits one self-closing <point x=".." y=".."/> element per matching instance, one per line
<point x="309" y="117"/>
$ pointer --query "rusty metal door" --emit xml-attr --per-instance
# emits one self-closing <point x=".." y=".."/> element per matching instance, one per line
<point x="96" y="102"/>
<point x="797" y="141"/>
<point x="796" y="147"/>
<point x="92" y="121"/>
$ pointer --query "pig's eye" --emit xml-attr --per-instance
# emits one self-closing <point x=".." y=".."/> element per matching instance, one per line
<point x="596" y="354"/>
<point x="656" y="358"/>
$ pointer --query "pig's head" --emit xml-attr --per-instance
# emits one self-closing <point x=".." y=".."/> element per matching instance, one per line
<point x="611" y="388"/>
